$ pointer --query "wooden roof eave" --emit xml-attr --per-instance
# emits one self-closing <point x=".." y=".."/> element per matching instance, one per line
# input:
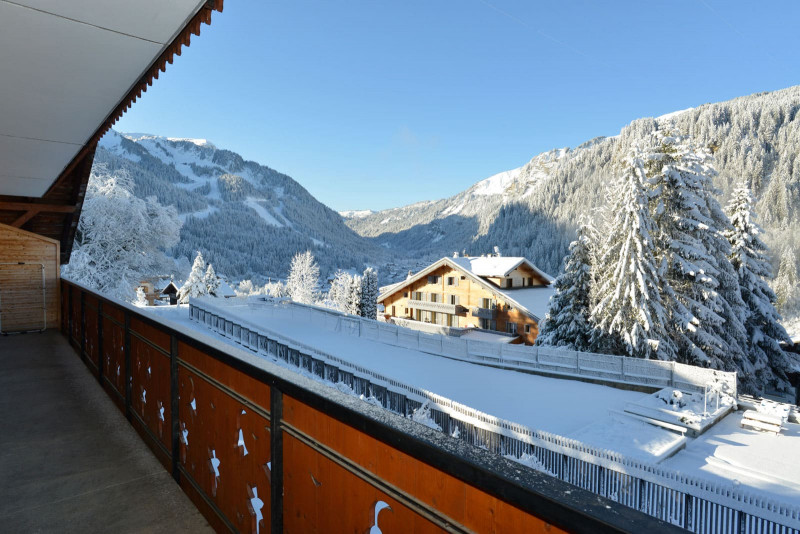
<point x="65" y="196"/>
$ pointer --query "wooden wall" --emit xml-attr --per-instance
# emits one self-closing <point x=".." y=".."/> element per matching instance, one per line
<point x="20" y="286"/>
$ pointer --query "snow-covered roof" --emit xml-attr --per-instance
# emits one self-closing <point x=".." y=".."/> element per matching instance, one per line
<point x="534" y="299"/>
<point x="225" y="290"/>
<point x="479" y="334"/>
<point x="497" y="266"/>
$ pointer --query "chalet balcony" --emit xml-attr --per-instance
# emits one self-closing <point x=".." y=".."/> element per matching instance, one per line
<point x="484" y="313"/>
<point x="438" y="307"/>
<point x="124" y="423"/>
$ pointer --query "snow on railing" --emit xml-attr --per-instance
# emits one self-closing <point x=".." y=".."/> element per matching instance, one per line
<point x="686" y="500"/>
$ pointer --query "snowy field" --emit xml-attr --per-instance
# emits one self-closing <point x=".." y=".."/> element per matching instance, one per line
<point x="590" y="413"/>
<point x="559" y="406"/>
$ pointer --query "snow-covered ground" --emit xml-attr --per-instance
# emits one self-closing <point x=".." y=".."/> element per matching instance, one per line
<point x="589" y="413"/>
<point x="558" y="406"/>
<point x="761" y="460"/>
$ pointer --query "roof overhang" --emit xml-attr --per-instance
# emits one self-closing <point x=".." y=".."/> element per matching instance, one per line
<point x="68" y="71"/>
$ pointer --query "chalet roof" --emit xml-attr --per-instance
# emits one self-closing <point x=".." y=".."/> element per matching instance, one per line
<point x="497" y="266"/>
<point x="69" y="71"/>
<point x="533" y="301"/>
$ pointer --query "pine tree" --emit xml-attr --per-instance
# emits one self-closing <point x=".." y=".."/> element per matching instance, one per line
<point x="629" y="315"/>
<point x="211" y="281"/>
<point x="338" y="295"/>
<point x="303" y="278"/>
<point x="678" y="175"/>
<point x="354" y="296"/>
<point x="195" y="285"/>
<point x="567" y="322"/>
<point x="786" y="286"/>
<point x="369" y="293"/>
<point x="769" y="363"/>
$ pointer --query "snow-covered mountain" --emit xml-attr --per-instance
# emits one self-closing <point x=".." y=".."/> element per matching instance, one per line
<point x="533" y="210"/>
<point x="246" y="218"/>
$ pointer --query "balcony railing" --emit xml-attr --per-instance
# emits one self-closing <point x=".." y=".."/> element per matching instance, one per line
<point x="438" y="307"/>
<point x="484" y="313"/>
<point x="256" y="446"/>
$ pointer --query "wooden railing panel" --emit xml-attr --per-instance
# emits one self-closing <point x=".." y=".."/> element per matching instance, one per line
<point x="91" y="334"/>
<point x="75" y="311"/>
<point x="113" y="356"/>
<point x="220" y="427"/>
<point x="153" y="335"/>
<point x="441" y="498"/>
<point x="150" y="394"/>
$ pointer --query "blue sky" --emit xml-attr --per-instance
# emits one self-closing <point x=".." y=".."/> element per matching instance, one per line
<point x="375" y="104"/>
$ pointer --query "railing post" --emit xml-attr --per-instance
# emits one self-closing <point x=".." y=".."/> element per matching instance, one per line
<point x="276" y="459"/>
<point x="70" y="318"/>
<point x="174" y="406"/>
<point x="127" y="346"/>
<point x="100" y="341"/>
<point x="83" y="326"/>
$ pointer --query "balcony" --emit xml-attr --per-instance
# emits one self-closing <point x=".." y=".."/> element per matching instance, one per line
<point x="484" y="313"/>
<point x="438" y="307"/>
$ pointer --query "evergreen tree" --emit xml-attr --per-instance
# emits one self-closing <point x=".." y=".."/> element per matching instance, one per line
<point x="212" y="281"/>
<point x="567" y="322"/>
<point x="678" y="176"/>
<point x="369" y="293"/>
<point x="768" y="361"/>
<point x="303" y="278"/>
<point x="338" y="295"/>
<point x="195" y="285"/>
<point x="786" y="286"/>
<point x="629" y="315"/>
<point x="354" y="296"/>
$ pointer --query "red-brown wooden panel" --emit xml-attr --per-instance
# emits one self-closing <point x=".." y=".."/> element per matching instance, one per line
<point x="150" y="390"/>
<point x="246" y="386"/>
<point x="114" y="359"/>
<point x="91" y="334"/>
<point x="65" y="308"/>
<point x="217" y="427"/>
<point x="320" y="496"/>
<point x="153" y="335"/>
<point x="115" y="312"/>
<point x="465" y="505"/>
<point x="75" y="334"/>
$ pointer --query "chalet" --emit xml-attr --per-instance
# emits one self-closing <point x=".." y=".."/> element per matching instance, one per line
<point x="496" y="293"/>
<point x="170" y="292"/>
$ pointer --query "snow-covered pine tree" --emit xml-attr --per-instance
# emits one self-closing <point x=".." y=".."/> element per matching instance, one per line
<point x="195" y="285"/>
<point x="764" y="330"/>
<point x="677" y="176"/>
<point x="354" y="296"/>
<point x="786" y="286"/>
<point x="369" y="293"/>
<point x="212" y="281"/>
<point x="629" y="316"/>
<point x="141" y="298"/>
<point x="303" y="278"/>
<point x="567" y="322"/>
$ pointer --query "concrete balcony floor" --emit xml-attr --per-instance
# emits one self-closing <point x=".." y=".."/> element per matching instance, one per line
<point x="69" y="460"/>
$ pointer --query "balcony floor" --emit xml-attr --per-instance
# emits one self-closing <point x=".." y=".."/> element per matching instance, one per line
<point x="69" y="460"/>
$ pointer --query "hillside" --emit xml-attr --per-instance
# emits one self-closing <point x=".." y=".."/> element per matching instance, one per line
<point x="246" y="218"/>
<point x="532" y="211"/>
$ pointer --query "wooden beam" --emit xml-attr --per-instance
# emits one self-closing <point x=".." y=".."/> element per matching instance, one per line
<point x="37" y="207"/>
<point x="25" y="217"/>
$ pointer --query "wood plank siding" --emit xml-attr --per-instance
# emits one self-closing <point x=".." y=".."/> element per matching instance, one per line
<point x="476" y="303"/>
<point x="21" y="296"/>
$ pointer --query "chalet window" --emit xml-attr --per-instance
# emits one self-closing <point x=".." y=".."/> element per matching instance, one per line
<point x="530" y="280"/>
<point x="463" y="277"/>
<point x="487" y="303"/>
<point x="525" y="282"/>
<point x="452" y="299"/>
<point x="434" y="279"/>
<point x="434" y="297"/>
<point x="452" y="281"/>
<point x="511" y="328"/>
<point x="405" y="294"/>
<point x="419" y="295"/>
<point x="527" y="329"/>
<point x="393" y="312"/>
<point x="509" y="282"/>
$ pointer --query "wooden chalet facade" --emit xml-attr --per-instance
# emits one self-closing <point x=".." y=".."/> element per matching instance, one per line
<point x="494" y="293"/>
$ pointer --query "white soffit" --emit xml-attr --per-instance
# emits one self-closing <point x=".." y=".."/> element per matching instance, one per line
<point x="64" y="66"/>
